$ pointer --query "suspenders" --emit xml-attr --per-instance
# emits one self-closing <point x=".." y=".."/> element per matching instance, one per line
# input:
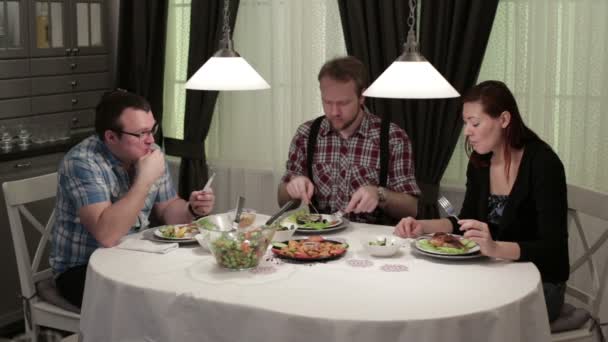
<point x="384" y="150"/>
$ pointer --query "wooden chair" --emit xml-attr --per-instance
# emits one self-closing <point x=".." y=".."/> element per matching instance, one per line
<point x="37" y="309"/>
<point x="580" y="322"/>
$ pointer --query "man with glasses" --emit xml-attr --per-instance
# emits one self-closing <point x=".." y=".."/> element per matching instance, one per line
<point x="108" y="186"/>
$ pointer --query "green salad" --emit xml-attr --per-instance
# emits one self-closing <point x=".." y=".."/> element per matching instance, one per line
<point x="239" y="250"/>
<point x="205" y="224"/>
<point x="305" y="219"/>
<point x="427" y="246"/>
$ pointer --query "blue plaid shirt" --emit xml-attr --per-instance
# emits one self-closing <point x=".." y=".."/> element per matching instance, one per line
<point x="89" y="174"/>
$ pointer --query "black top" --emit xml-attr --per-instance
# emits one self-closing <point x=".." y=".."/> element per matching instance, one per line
<point x="535" y="214"/>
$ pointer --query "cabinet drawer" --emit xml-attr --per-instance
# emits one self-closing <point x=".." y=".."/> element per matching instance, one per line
<point x="71" y="83"/>
<point x="28" y="167"/>
<point x="65" y="102"/>
<point x="83" y="118"/>
<point x="14" y="68"/>
<point x="15" y="108"/>
<point x="14" y="88"/>
<point x="68" y="65"/>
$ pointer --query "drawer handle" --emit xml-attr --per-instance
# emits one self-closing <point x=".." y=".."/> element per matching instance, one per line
<point x="73" y="66"/>
<point x="23" y="165"/>
<point x="75" y="121"/>
<point x="68" y="51"/>
<point x="74" y="101"/>
<point x="75" y="50"/>
<point x="74" y="84"/>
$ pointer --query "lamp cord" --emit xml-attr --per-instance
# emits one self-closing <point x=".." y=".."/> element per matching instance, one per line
<point x="226" y="27"/>
<point x="411" y="20"/>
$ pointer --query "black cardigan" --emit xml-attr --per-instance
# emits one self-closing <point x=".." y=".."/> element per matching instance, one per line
<point x="535" y="215"/>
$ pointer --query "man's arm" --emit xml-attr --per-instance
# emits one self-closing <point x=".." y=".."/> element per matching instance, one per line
<point x="282" y="195"/>
<point x="109" y="222"/>
<point x="399" y="204"/>
<point x="175" y="210"/>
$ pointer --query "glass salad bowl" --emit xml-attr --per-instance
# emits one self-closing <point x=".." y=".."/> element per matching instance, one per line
<point x="240" y="249"/>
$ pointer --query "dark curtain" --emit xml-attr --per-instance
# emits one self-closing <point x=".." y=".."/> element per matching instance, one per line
<point x="205" y="33"/>
<point x="453" y="37"/>
<point x="141" y="51"/>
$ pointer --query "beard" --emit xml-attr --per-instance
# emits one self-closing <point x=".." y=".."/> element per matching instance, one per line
<point x="345" y="124"/>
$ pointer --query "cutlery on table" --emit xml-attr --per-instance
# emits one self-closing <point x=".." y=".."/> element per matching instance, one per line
<point x="448" y="207"/>
<point x="240" y="203"/>
<point x="208" y="184"/>
<point x="287" y="206"/>
<point x="338" y="214"/>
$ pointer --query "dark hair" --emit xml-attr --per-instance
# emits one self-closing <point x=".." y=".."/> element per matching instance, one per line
<point x="346" y="69"/>
<point x="111" y="106"/>
<point x="496" y="98"/>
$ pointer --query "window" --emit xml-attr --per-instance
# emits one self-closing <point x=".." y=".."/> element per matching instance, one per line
<point x="553" y="55"/>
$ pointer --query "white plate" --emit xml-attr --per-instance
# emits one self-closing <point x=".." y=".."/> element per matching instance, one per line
<point x="187" y="236"/>
<point x="287" y="222"/>
<point x="473" y="250"/>
<point x="149" y="234"/>
<point x="342" y="226"/>
<point x="446" y="256"/>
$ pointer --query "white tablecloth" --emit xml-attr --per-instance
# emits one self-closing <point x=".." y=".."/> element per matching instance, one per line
<point x="185" y="296"/>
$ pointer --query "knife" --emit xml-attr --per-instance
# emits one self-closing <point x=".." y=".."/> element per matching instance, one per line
<point x="287" y="206"/>
<point x="208" y="184"/>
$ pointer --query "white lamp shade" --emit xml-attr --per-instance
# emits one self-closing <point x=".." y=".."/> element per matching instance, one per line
<point x="226" y="73"/>
<point x="411" y="80"/>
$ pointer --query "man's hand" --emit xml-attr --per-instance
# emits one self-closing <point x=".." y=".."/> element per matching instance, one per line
<point x="150" y="167"/>
<point x="300" y="187"/>
<point x="364" y="200"/>
<point x="202" y="201"/>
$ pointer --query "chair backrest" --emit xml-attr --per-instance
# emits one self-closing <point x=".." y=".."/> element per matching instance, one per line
<point x="17" y="194"/>
<point x="594" y="204"/>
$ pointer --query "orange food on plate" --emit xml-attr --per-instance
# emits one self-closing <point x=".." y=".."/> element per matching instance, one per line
<point x="315" y="247"/>
<point x="445" y="240"/>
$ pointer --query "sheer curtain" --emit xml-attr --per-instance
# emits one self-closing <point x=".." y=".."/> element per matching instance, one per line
<point x="286" y="42"/>
<point x="553" y="54"/>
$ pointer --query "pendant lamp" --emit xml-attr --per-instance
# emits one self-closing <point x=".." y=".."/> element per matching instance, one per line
<point x="226" y="69"/>
<point x="411" y="76"/>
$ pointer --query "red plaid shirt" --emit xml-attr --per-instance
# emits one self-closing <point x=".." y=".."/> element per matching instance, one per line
<point x="341" y="166"/>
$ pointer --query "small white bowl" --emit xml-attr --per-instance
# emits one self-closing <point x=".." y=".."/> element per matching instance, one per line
<point x="283" y="235"/>
<point x="373" y="246"/>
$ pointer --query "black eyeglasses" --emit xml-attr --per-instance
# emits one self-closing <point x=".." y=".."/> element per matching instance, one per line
<point x="142" y="135"/>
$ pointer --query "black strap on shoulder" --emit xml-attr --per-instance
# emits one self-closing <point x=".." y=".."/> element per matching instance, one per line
<point x="310" y="151"/>
<point x="312" y="143"/>
<point x="384" y="150"/>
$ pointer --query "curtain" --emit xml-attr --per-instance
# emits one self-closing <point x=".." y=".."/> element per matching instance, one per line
<point x="205" y="34"/>
<point x="453" y="37"/>
<point x="553" y="55"/>
<point x="141" y="51"/>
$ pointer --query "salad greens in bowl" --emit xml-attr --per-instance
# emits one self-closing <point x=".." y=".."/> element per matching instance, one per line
<point x="381" y="246"/>
<point x="240" y="249"/>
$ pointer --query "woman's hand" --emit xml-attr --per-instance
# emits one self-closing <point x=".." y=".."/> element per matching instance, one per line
<point x="408" y="227"/>
<point x="480" y="233"/>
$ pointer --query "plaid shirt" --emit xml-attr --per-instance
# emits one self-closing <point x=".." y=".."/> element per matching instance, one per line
<point x="341" y="166"/>
<point x="89" y="174"/>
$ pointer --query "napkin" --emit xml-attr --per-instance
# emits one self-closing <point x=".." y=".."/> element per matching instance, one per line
<point x="147" y="246"/>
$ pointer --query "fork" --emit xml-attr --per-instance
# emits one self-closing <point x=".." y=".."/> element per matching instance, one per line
<point x="448" y="207"/>
<point x="338" y="214"/>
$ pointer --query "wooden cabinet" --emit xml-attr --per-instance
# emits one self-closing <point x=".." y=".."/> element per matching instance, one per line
<point x="68" y="27"/>
<point x="54" y="63"/>
<point x="13" y="29"/>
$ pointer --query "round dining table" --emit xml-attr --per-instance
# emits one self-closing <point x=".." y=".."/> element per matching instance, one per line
<point x="184" y="295"/>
